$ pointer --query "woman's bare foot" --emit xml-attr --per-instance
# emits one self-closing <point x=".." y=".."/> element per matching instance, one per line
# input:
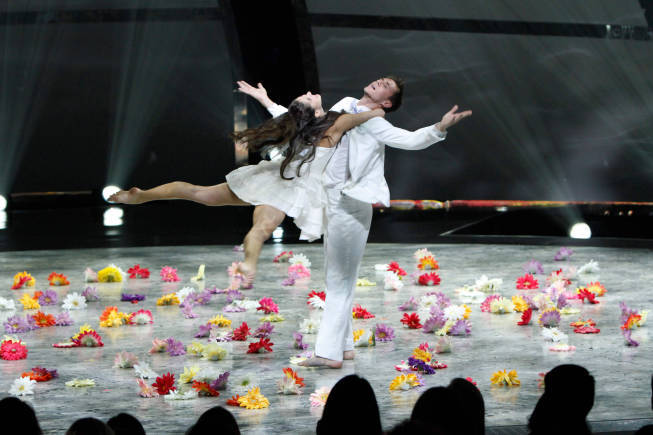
<point x="248" y="274"/>
<point x="317" y="361"/>
<point x="348" y="354"/>
<point x="131" y="196"/>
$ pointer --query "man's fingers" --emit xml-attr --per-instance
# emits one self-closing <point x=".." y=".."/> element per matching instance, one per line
<point x="453" y="109"/>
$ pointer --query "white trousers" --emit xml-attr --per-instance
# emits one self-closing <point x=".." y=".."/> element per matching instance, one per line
<point x="347" y="227"/>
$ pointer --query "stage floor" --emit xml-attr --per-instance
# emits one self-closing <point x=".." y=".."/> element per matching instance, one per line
<point x="623" y="374"/>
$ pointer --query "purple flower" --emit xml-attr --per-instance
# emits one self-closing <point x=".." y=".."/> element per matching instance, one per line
<point x="16" y="324"/>
<point x="187" y="311"/>
<point x="31" y="322"/>
<point x="233" y="309"/>
<point x="202" y="298"/>
<point x="234" y="295"/>
<point x="461" y="327"/>
<point x="409" y="305"/>
<point x="562" y="301"/>
<point x="442" y="300"/>
<point x="264" y="330"/>
<point x="43" y="370"/>
<point x="288" y="282"/>
<point x="91" y="294"/>
<point x="420" y="366"/>
<point x="215" y="290"/>
<point x="533" y="267"/>
<point x="127" y="297"/>
<point x="550" y="318"/>
<point x="220" y="382"/>
<point x="627" y="335"/>
<point x="298" y="342"/>
<point x="64" y="319"/>
<point x="49" y="297"/>
<point x="203" y="331"/>
<point x="175" y="347"/>
<point x="384" y="332"/>
<point x="436" y="321"/>
<point x="563" y="254"/>
<point x="529" y="300"/>
<point x="626" y="312"/>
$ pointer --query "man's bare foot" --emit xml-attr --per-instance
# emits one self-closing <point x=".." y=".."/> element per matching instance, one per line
<point x="248" y="273"/>
<point x="348" y="354"/>
<point x="317" y="361"/>
<point x="131" y="196"/>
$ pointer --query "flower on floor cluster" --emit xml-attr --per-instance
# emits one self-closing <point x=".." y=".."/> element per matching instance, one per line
<point x="261" y="346"/>
<point x="267" y="305"/>
<point x="22" y="386"/>
<point x="429" y="279"/>
<point x="137" y="271"/>
<point x="40" y="374"/>
<point x="316" y="299"/>
<point x="58" y="279"/>
<point x="290" y="383"/>
<point x="364" y="338"/>
<point x="319" y="397"/>
<point x="527" y="282"/>
<point x="12" y="349"/>
<point x="300" y="266"/>
<point x="23" y="279"/>
<point x="421" y="360"/>
<point x="284" y="257"/>
<point x="359" y="312"/>
<point x="168" y="299"/>
<point x="505" y="378"/>
<point x="169" y="274"/>
<point x="30" y="302"/>
<point x="111" y="317"/>
<point x="86" y="337"/>
<point x="406" y="382"/>
<point x="252" y="400"/>
<point x="111" y="273"/>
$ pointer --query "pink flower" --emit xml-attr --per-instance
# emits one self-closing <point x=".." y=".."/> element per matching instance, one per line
<point x="140" y="317"/>
<point x="168" y="274"/>
<point x="485" y="306"/>
<point x="13" y="350"/>
<point x="527" y="282"/>
<point x="299" y="270"/>
<point x="268" y="306"/>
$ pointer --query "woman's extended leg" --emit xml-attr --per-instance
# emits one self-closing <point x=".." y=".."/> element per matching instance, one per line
<point x="219" y="194"/>
<point x="265" y="219"/>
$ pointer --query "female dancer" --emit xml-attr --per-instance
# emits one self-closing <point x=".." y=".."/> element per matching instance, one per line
<point x="292" y="186"/>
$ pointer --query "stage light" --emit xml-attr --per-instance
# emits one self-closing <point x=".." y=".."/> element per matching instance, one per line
<point x="580" y="230"/>
<point x="108" y="191"/>
<point x="3" y="220"/>
<point x="113" y="217"/>
<point x="3" y="203"/>
<point x="277" y="234"/>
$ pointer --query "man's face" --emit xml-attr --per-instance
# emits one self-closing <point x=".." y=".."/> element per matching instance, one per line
<point x="381" y="90"/>
<point x="312" y="100"/>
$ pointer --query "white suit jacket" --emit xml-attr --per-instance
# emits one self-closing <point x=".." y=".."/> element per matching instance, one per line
<point x="367" y="151"/>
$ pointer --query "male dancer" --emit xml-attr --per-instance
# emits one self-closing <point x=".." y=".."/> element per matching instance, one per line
<point x="354" y="181"/>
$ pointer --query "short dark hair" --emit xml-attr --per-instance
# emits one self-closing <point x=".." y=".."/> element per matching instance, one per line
<point x="395" y="98"/>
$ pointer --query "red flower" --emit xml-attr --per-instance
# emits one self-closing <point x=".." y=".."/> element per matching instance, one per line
<point x="412" y="320"/>
<point x="233" y="401"/>
<point x="429" y="279"/>
<point x="260" y="346"/>
<point x="241" y="333"/>
<point x="321" y="295"/>
<point x="204" y="389"/>
<point x="165" y="384"/>
<point x="438" y="365"/>
<point x="525" y="317"/>
<point x="470" y="380"/>
<point x="39" y="374"/>
<point x="44" y="320"/>
<point x="527" y="282"/>
<point x="361" y="313"/>
<point x="394" y="267"/>
<point x="581" y="322"/>
<point x="23" y="280"/>
<point x="58" y="279"/>
<point x="587" y="330"/>
<point x="292" y="374"/>
<point x="88" y="339"/>
<point x="137" y="272"/>
<point x="586" y="294"/>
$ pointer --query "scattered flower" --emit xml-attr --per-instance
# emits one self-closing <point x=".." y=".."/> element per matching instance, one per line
<point x="267" y="305"/>
<point x="146" y="390"/>
<point x="410" y="305"/>
<point x="590" y="268"/>
<point x="392" y="281"/>
<point x="133" y="298"/>
<point x="429" y="279"/>
<point x="175" y="347"/>
<point x="405" y="382"/>
<point x="411" y="321"/>
<point x="319" y="397"/>
<point x="124" y="360"/>
<point x="165" y="384"/>
<point x="309" y="326"/>
<point x="74" y="301"/>
<point x="29" y="303"/>
<point x="533" y="267"/>
<point x="200" y="274"/>
<point x="501" y="305"/>
<point x="587" y="330"/>
<point x="554" y="334"/>
<point x="12" y="349"/>
<point x="394" y="267"/>
<point x="43" y="320"/>
<point x="487" y="285"/>
<point x="549" y="317"/>
<point x="213" y="352"/>
<point x="242" y="332"/>
<point x="299" y="271"/>
<point x="364" y="282"/>
<point x="627" y="333"/>
<point x="300" y="259"/>
<point x="169" y="274"/>
<point x="220" y="321"/>
<point x="527" y="282"/>
<point x="40" y="374"/>
<point x="427" y="262"/>
<point x="91" y="294"/>
<point x="525" y="317"/>
<point x="272" y="318"/>
<point x="58" y="279"/>
<point x="583" y="294"/>
<point x="140" y="317"/>
<point x="168" y="299"/>
<point x="359" y="312"/>
<point x="384" y="332"/>
<point x="79" y="383"/>
<point x="263" y="331"/>
<point x="502" y="377"/>
<point x="563" y="254"/>
<point x="110" y="273"/>
<point x="253" y="400"/>
<point x="7" y="304"/>
<point x="264" y="344"/>
<point x="23" y="279"/>
<point x="159" y="346"/>
<point x="562" y="347"/>
<point x="22" y="387"/>
<point x="298" y="341"/>
<point x="283" y="257"/>
<point x="49" y="297"/>
<point x="144" y="371"/>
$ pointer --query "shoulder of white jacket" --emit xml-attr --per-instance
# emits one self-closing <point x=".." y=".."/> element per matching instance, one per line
<point x="343" y="103"/>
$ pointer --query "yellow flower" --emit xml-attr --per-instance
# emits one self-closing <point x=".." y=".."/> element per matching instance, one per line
<point x="364" y="282"/>
<point x="220" y="321"/>
<point x="569" y="310"/>
<point x="20" y="275"/>
<point x="168" y="299"/>
<point x="272" y="318"/>
<point x="520" y="304"/>
<point x="445" y="329"/>
<point x="213" y="352"/>
<point x="80" y="383"/>
<point x="422" y="355"/>
<point x="404" y="382"/>
<point x="357" y="334"/>
<point x="468" y="311"/>
<point x="200" y="274"/>
<point x="109" y="274"/>
<point x="501" y="306"/>
<point x="503" y="378"/>
<point x="254" y="399"/>
<point x="195" y="348"/>
<point x="189" y="374"/>
<point x="82" y="329"/>
<point x="597" y="288"/>
<point x="29" y="303"/>
<point x="644" y="316"/>
<point x="115" y="319"/>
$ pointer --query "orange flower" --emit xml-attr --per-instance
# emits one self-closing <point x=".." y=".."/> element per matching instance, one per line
<point x="581" y="322"/>
<point x="234" y="401"/>
<point x="107" y="312"/>
<point x="631" y="322"/>
<point x="596" y="287"/>
<point x="44" y="320"/>
<point x="291" y="374"/>
<point x="428" y="262"/>
<point x="58" y="279"/>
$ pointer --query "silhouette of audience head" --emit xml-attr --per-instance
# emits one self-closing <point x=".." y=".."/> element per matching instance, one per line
<point x="14" y="409"/>
<point x="89" y="426"/>
<point x="126" y="424"/>
<point x="350" y="408"/>
<point x="411" y="427"/>
<point x="216" y="419"/>
<point x="568" y="391"/>
<point x="439" y="408"/>
<point x="472" y="407"/>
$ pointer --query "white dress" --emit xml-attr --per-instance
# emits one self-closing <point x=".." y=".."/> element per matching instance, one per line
<point x="301" y="198"/>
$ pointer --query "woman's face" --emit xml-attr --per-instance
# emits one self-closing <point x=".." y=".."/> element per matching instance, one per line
<point x="314" y="101"/>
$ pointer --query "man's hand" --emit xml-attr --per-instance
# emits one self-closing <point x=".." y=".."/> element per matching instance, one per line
<point x="452" y="118"/>
<point x="259" y="93"/>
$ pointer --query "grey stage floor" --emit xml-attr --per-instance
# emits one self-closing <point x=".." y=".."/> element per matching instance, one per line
<point x="623" y="374"/>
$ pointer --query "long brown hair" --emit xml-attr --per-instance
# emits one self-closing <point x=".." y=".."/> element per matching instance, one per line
<point x="299" y="128"/>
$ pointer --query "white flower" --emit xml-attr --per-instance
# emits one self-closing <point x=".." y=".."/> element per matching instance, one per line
<point x="454" y="312"/>
<point x="380" y="267"/>
<point x="468" y="295"/>
<point x="589" y="268"/>
<point x="174" y="395"/>
<point x="426" y="302"/>
<point x="74" y="301"/>
<point x="392" y="281"/>
<point x="501" y="306"/>
<point x="207" y="374"/>
<point x="484" y="284"/>
<point x="7" y="304"/>
<point x="78" y="383"/>
<point x="247" y="304"/>
<point x="555" y="335"/>
<point x="421" y="253"/>
<point x="316" y="302"/>
<point x="90" y="275"/>
<point x="300" y="259"/>
<point x="245" y="382"/>
<point x="542" y="301"/>
<point x="144" y="371"/>
<point x="184" y="292"/>
<point x="309" y="326"/>
<point x="22" y="387"/>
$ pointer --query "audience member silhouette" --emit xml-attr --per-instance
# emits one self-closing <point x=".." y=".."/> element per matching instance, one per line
<point x="568" y="398"/>
<point x="350" y="408"/>
<point x="411" y="427"/>
<point x="14" y="409"/>
<point x="439" y="408"/>
<point x="126" y="424"/>
<point x="472" y="406"/>
<point x="215" y="420"/>
<point x="89" y="426"/>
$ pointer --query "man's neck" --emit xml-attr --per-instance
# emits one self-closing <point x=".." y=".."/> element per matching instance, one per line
<point x="368" y="102"/>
